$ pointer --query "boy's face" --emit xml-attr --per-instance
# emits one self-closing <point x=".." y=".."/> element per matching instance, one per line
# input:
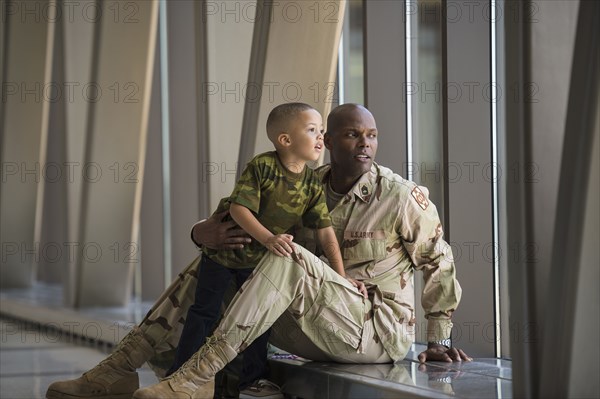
<point x="306" y="135"/>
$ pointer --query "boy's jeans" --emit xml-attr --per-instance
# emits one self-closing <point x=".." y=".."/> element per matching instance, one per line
<point x="202" y="316"/>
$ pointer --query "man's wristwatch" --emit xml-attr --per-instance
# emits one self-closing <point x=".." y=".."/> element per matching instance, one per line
<point x="445" y="342"/>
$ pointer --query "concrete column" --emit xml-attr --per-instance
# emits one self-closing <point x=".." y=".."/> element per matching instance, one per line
<point x="115" y="151"/>
<point x="51" y="216"/>
<point x="300" y="42"/>
<point x="229" y="27"/>
<point x="79" y="29"/>
<point x="23" y="96"/>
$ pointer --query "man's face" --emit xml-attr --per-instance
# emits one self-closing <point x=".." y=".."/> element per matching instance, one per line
<point x="353" y="142"/>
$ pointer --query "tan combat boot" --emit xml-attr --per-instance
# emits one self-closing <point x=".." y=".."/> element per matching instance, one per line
<point x="113" y="378"/>
<point x="195" y="379"/>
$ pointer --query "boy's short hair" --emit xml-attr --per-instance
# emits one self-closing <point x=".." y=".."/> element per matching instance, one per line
<point x="280" y="117"/>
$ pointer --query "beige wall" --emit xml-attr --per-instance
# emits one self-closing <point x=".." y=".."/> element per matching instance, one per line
<point x="583" y="381"/>
<point x="21" y="142"/>
<point x="552" y="43"/>
<point x="115" y="138"/>
<point x="186" y="129"/>
<point x="115" y="151"/>
<point x="50" y="230"/>
<point x="296" y="29"/>
<point x="78" y="39"/>
<point x="229" y="37"/>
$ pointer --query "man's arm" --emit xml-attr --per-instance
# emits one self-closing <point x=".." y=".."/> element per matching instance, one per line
<point x="422" y="233"/>
<point x="214" y="233"/>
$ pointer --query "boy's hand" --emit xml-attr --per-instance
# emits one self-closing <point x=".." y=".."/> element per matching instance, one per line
<point x="280" y="244"/>
<point x="360" y="286"/>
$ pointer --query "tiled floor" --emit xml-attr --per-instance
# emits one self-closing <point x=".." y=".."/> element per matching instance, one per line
<point x="50" y="297"/>
<point x="30" y="360"/>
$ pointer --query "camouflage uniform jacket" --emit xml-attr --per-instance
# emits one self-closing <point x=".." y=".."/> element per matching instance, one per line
<point x="387" y="228"/>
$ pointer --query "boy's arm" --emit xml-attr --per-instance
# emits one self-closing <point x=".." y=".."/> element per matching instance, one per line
<point x="330" y="246"/>
<point x="279" y="244"/>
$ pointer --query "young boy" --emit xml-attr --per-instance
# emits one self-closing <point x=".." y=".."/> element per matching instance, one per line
<point x="275" y="192"/>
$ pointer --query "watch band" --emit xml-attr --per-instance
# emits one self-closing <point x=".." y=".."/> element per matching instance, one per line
<point x="445" y="342"/>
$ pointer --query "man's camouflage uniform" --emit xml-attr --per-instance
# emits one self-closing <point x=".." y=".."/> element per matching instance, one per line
<point x="387" y="229"/>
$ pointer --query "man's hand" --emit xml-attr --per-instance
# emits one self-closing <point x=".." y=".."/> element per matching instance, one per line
<point x="280" y="244"/>
<point x="440" y="353"/>
<point x="360" y="286"/>
<point x="216" y="234"/>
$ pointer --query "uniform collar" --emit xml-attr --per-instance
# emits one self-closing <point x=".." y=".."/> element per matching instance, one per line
<point x="362" y="189"/>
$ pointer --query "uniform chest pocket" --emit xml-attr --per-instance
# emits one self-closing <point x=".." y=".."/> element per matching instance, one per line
<point x="364" y="246"/>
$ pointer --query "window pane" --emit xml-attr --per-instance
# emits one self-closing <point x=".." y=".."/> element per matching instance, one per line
<point x="424" y="44"/>
<point x="352" y="54"/>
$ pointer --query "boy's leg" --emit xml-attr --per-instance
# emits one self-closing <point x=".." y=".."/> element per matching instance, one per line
<point x="202" y="316"/>
<point x="151" y="339"/>
<point x="254" y="363"/>
<point x="328" y="309"/>
<point x="250" y="365"/>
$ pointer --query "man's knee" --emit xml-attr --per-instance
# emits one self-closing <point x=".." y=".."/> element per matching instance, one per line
<point x="310" y="262"/>
<point x="301" y="260"/>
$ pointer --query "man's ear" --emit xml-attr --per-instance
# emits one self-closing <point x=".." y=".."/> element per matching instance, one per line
<point x="284" y="139"/>
<point x="327" y="140"/>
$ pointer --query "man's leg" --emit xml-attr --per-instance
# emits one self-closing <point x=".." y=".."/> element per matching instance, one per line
<point x="155" y="336"/>
<point x="202" y="316"/>
<point x="328" y="309"/>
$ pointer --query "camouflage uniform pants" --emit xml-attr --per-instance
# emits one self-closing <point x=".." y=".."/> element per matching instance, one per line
<point x="314" y="312"/>
<point x="164" y="322"/>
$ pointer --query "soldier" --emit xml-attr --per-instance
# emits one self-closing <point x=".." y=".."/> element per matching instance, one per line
<point x="275" y="192"/>
<point x="387" y="229"/>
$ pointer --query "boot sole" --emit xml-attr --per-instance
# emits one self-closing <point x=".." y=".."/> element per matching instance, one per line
<point x="61" y="395"/>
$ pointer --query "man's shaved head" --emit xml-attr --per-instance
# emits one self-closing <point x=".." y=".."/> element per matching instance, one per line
<point x="351" y="139"/>
<point x="338" y="116"/>
<point x="281" y="116"/>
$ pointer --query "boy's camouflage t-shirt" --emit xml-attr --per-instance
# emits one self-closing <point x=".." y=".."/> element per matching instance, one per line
<point x="279" y="199"/>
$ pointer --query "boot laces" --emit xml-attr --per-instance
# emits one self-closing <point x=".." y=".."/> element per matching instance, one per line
<point x="127" y="340"/>
<point x="194" y="361"/>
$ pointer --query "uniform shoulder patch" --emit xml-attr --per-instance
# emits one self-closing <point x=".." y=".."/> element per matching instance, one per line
<point x="421" y="199"/>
